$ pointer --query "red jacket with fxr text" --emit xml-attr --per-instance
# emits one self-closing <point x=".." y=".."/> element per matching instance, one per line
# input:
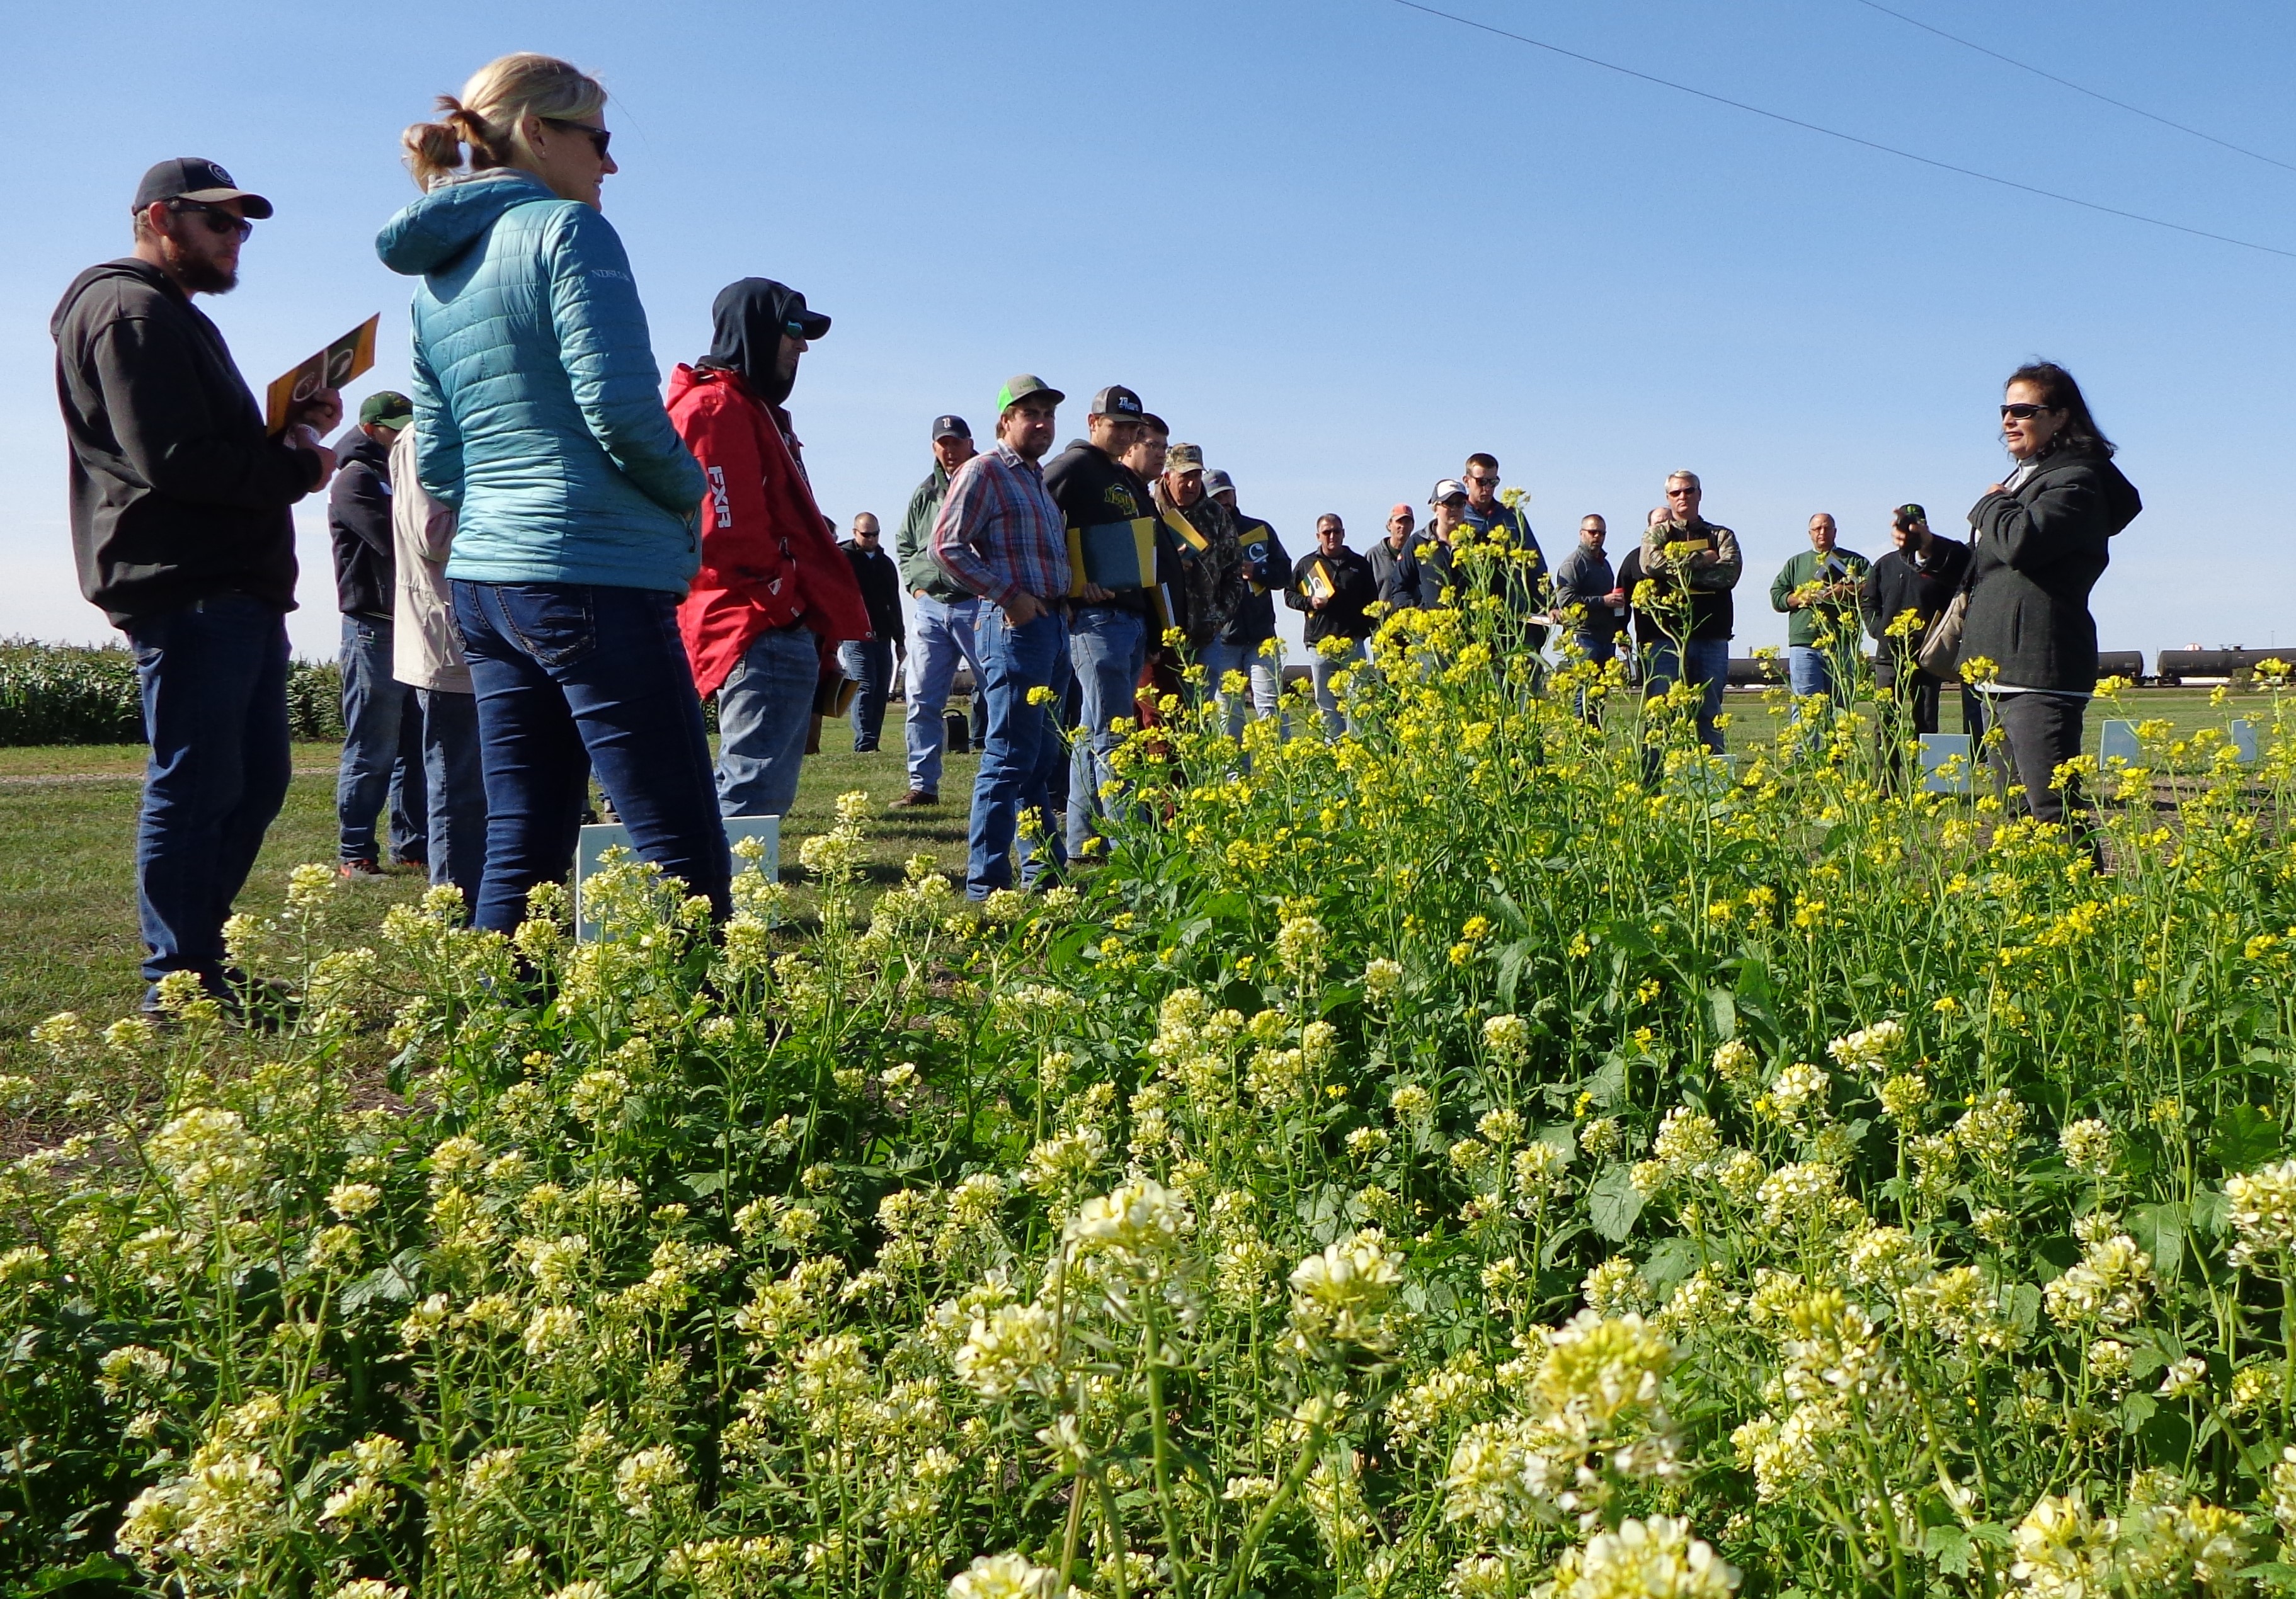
<point x="768" y="558"/>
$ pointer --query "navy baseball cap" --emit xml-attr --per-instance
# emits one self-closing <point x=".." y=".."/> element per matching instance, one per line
<point x="191" y="178"/>
<point x="950" y="427"/>
<point x="1118" y="401"/>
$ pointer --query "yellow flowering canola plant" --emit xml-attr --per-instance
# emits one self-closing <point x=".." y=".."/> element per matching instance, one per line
<point x="1500" y="1152"/>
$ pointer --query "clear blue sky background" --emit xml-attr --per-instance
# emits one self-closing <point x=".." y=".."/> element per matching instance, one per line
<point x="1339" y="244"/>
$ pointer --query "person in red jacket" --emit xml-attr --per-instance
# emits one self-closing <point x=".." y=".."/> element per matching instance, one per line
<point x="775" y="595"/>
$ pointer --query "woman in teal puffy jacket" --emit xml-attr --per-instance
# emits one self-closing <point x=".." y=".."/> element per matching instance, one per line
<point x="538" y="416"/>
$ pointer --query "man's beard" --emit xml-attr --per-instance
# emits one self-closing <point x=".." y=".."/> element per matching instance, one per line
<point x="200" y="275"/>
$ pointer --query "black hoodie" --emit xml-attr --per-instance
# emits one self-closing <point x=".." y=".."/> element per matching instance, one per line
<point x="177" y="493"/>
<point x="746" y="321"/>
<point x="358" y="520"/>
<point x="2037" y="551"/>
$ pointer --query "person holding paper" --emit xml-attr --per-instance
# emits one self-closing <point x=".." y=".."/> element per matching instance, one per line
<point x="1817" y="591"/>
<point x="538" y="419"/>
<point x="1109" y="518"/>
<point x="1695" y="564"/>
<point x="183" y="534"/>
<point x="1332" y="585"/>
<point x="1247" y="644"/>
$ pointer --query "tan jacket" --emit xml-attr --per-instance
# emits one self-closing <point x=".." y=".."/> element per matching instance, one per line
<point x="426" y="650"/>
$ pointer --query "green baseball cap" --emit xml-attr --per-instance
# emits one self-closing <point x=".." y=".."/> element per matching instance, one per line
<point x="388" y="409"/>
<point x="1017" y="389"/>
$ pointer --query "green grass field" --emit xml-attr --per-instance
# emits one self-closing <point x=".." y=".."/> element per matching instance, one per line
<point x="68" y="933"/>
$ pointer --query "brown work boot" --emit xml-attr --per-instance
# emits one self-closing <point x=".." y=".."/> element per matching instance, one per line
<point x="915" y="797"/>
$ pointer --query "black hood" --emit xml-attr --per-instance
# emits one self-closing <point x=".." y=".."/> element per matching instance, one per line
<point x="354" y="445"/>
<point x="129" y="267"/>
<point x="746" y="321"/>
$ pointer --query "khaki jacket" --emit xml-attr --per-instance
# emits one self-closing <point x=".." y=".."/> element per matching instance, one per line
<point x="426" y="648"/>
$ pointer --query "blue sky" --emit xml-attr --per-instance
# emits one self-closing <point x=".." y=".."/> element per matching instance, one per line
<point x="1339" y="245"/>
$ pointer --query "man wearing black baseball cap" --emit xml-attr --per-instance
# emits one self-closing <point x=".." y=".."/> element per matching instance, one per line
<point x="183" y="533"/>
<point x="1108" y="630"/>
<point x="943" y="617"/>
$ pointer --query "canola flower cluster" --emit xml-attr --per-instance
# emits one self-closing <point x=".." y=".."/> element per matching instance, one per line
<point x="1490" y="1153"/>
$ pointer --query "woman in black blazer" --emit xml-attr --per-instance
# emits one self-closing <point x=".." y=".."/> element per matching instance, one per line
<point x="2040" y="540"/>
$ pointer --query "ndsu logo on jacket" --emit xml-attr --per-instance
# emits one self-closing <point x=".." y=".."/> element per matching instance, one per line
<point x="768" y="558"/>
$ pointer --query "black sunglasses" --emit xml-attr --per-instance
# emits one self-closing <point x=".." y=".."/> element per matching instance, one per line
<point x="600" y="138"/>
<point x="218" y="219"/>
<point x="2023" y="413"/>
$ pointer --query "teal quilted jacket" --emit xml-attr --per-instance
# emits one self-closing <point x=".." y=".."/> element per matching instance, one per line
<point x="537" y="404"/>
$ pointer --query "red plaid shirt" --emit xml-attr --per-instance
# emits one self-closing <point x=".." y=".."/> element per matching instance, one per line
<point x="999" y="535"/>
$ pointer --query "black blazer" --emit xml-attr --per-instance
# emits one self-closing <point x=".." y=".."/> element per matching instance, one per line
<point x="2035" y="554"/>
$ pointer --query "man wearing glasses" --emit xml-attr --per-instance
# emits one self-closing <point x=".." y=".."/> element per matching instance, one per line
<point x="1519" y="581"/>
<point x="183" y="538"/>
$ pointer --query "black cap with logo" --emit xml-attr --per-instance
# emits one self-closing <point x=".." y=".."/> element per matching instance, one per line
<point x="1118" y="401"/>
<point x="950" y="427"/>
<point x="190" y="177"/>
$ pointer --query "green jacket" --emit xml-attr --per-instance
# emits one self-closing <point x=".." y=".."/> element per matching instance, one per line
<point x="912" y="546"/>
<point x="1803" y="621"/>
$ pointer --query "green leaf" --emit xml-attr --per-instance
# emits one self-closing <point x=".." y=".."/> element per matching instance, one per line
<point x="1613" y="1206"/>
<point x="95" y="1568"/>
<point x="1722" y="1010"/>
<point x="2245" y="1139"/>
<point x="1950" y="1546"/>
<point x="393" y="1281"/>
<point x="2160" y="1231"/>
<point x="702" y="1185"/>
<point x="1669" y="1262"/>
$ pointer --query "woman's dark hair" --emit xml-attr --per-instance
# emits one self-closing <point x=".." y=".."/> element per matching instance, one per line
<point x="2059" y="392"/>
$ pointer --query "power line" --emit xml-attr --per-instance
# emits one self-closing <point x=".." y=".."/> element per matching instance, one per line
<point x="2078" y="89"/>
<point x="1846" y="138"/>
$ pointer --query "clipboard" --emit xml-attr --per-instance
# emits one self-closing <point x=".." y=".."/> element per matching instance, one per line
<point x="337" y="366"/>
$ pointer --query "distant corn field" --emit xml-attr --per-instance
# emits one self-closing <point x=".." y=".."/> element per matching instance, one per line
<point x="82" y="694"/>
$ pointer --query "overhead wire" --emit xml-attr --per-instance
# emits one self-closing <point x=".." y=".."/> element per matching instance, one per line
<point x="2078" y="88"/>
<point x="1846" y="138"/>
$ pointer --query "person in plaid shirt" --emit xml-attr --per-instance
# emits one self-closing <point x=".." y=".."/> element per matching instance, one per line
<point x="1000" y="536"/>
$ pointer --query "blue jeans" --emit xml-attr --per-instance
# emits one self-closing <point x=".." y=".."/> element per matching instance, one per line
<point x="1320" y="672"/>
<point x="572" y="677"/>
<point x="1709" y="669"/>
<point x="1600" y="649"/>
<point x="455" y="790"/>
<point x="1264" y="673"/>
<point x="1809" y="670"/>
<point x="942" y="635"/>
<point x="764" y="712"/>
<point x="1021" y="753"/>
<point x="382" y="750"/>
<point x="1107" y="648"/>
<point x="214" y="680"/>
<point x="869" y="662"/>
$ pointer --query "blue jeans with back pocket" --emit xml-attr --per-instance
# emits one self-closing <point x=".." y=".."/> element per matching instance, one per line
<point x="572" y="677"/>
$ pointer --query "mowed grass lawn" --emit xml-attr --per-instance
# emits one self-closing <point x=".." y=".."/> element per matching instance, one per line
<point x="68" y="929"/>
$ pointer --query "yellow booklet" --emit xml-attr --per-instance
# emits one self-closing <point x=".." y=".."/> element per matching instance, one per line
<point x="333" y="367"/>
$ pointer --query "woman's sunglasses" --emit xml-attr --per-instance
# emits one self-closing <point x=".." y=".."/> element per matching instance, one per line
<point x="218" y="219"/>
<point x="2023" y="413"/>
<point x="600" y="138"/>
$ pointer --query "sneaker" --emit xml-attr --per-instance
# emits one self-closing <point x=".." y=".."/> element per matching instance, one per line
<point x="915" y="797"/>
<point x="412" y="863"/>
<point x="360" y="871"/>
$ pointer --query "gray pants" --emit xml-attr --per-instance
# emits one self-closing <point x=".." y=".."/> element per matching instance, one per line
<point x="2039" y="733"/>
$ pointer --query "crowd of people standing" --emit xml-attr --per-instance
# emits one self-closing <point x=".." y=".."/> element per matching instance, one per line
<point x="544" y="566"/>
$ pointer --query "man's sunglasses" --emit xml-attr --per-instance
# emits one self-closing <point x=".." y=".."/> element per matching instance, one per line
<point x="218" y="219"/>
<point x="600" y="138"/>
<point x="2023" y="413"/>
